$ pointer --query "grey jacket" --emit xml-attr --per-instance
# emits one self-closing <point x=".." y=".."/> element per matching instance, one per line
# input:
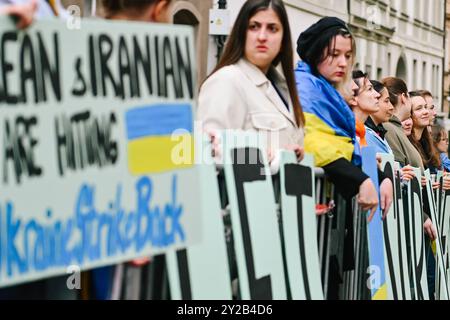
<point x="404" y="151"/>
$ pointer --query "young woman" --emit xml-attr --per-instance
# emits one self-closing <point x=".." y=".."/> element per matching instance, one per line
<point x="367" y="103"/>
<point x="404" y="152"/>
<point x="420" y="137"/>
<point x="375" y="131"/>
<point x="245" y="91"/>
<point x="428" y="96"/>
<point x="327" y="50"/>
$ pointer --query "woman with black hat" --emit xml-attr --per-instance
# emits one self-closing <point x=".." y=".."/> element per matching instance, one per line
<point x="327" y="50"/>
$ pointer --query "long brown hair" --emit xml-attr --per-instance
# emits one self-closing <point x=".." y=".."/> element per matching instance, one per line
<point x="235" y="47"/>
<point x="425" y="145"/>
<point x="426" y="148"/>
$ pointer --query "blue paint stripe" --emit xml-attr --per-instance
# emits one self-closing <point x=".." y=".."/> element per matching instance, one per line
<point x="158" y="120"/>
<point x="375" y="227"/>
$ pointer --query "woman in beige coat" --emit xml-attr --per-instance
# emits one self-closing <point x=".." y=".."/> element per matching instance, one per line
<point x="246" y="91"/>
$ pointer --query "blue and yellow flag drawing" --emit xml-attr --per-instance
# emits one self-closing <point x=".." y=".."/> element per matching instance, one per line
<point x="157" y="134"/>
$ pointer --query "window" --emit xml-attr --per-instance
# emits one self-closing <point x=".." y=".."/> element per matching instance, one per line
<point x="368" y="70"/>
<point x="424" y="75"/>
<point x="415" y="75"/>
<point x="389" y="62"/>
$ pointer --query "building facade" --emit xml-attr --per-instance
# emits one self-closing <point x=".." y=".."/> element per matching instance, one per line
<point x="447" y="65"/>
<point x="403" y="38"/>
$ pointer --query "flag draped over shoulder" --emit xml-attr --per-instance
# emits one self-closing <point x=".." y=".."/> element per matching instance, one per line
<point x="330" y="123"/>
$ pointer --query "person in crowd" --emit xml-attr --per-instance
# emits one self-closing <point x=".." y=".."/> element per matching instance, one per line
<point x="420" y="137"/>
<point x="404" y="152"/>
<point x="245" y="91"/>
<point x="366" y="103"/>
<point x="375" y="131"/>
<point x="327" y="50"/>
<point x="423" y="142"/>
<point x="137" y="10"/>
<point x="440" y="140"/>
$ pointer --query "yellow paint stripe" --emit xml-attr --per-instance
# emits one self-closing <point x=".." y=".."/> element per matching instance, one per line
<point x="160" y="154"/>
<point x="381" y="293"/>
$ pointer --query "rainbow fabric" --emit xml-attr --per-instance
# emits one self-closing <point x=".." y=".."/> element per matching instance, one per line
<point x="330" y="124"/>
<point x="160" y="138"/>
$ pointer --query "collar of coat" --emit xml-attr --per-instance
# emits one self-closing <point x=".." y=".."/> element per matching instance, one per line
<point x="258" y="77"/>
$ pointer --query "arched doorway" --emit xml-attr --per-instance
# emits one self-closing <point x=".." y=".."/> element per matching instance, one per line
<point x="188" y="13"/>
<point x="185" y="16"/>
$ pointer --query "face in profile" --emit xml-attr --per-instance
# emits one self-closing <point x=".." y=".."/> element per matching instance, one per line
<point x="407" y="126"/>
<point x="367" y="98"/>
<point x="405" y="107"/>
<point x="264" y="38"/>
<point x="431" y="108"/>
<point x="337" y="63"/>
<point x="442" y="144"/>
<point x="386" y="109"/>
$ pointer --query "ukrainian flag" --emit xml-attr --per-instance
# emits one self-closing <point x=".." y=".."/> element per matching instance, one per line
<point x="329" y="122"/>
<point x="160" y="138"/>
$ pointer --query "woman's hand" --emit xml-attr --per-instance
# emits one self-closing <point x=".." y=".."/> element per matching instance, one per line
<point x="407" y="173"/>
<point x="429" y="229"/>
<point x="423" y="181"/>
<point x="386" y="196"/>
<point x="214" y="138"/>
<point x="23" y="12"/>
<point x="299" y="151"/>
<point x="446" y="182"/>
<point x="368" y="197"/>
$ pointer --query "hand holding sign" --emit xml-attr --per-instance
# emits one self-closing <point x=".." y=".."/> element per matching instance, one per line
<point x="22" y="12"/>
<point x="368" y="197"/>
<point x="430" y="229"/>
<point x="386" y="196"/>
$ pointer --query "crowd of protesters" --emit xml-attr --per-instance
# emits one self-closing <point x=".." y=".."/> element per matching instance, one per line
<point x="321" y="106"/>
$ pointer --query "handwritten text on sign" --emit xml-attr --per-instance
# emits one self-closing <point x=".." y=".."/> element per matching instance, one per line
<point x="91" y="121"/>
